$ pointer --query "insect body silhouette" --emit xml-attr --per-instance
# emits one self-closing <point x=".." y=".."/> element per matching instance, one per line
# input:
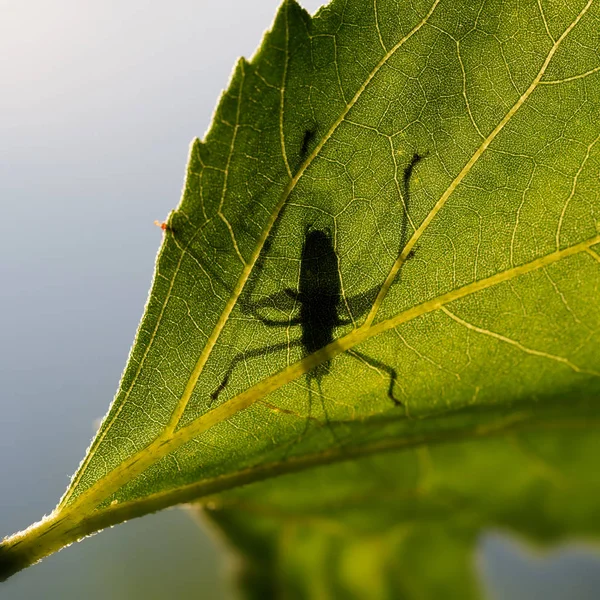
<point x="319" y="291"/>
<point x="319" y="297"/>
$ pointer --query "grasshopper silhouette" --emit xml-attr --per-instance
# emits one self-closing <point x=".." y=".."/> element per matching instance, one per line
<point x="319" y="297"/>
<point x="320" y="301"/>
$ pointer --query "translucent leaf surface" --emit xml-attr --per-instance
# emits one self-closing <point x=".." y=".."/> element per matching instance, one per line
<point x="445" y="377"/>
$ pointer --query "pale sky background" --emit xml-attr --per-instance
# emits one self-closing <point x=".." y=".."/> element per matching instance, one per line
<point x="98" y="104"/>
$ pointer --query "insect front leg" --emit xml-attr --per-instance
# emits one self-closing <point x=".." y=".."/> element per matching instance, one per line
<point x="286" y="300"/>
<point x="244" y="356"/>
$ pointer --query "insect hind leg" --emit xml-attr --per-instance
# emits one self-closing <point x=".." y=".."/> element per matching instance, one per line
<point x="377" y="364"/>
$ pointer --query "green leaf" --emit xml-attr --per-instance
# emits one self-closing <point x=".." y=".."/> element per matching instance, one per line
<point x="449" y="151"/>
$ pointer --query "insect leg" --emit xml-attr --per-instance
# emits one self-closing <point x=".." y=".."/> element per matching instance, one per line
<point x="360" y="304"/>
<point x="243" y="356"/>
<point x="276" y="323"/>
<point x="286" y="300"/>
<point x="377" y="364"/>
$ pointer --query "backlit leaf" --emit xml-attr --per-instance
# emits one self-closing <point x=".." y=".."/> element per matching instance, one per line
<point x="449" y="151"/>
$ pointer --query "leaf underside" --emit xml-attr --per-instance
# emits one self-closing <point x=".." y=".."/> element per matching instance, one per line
<point x="451" y="152"/>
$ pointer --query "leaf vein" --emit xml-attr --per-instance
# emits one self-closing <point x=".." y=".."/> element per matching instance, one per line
<point x="518" y="345"/>
<point x="467" y="168"/>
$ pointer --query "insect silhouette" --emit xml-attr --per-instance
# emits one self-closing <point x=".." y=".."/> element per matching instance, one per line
<point x="320" y="304"/>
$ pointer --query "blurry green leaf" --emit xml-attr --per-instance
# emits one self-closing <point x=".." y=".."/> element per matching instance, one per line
<point x="450" y="152"/>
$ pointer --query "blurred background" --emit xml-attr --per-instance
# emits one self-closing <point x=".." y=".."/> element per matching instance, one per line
<point x="98" y="104"/>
